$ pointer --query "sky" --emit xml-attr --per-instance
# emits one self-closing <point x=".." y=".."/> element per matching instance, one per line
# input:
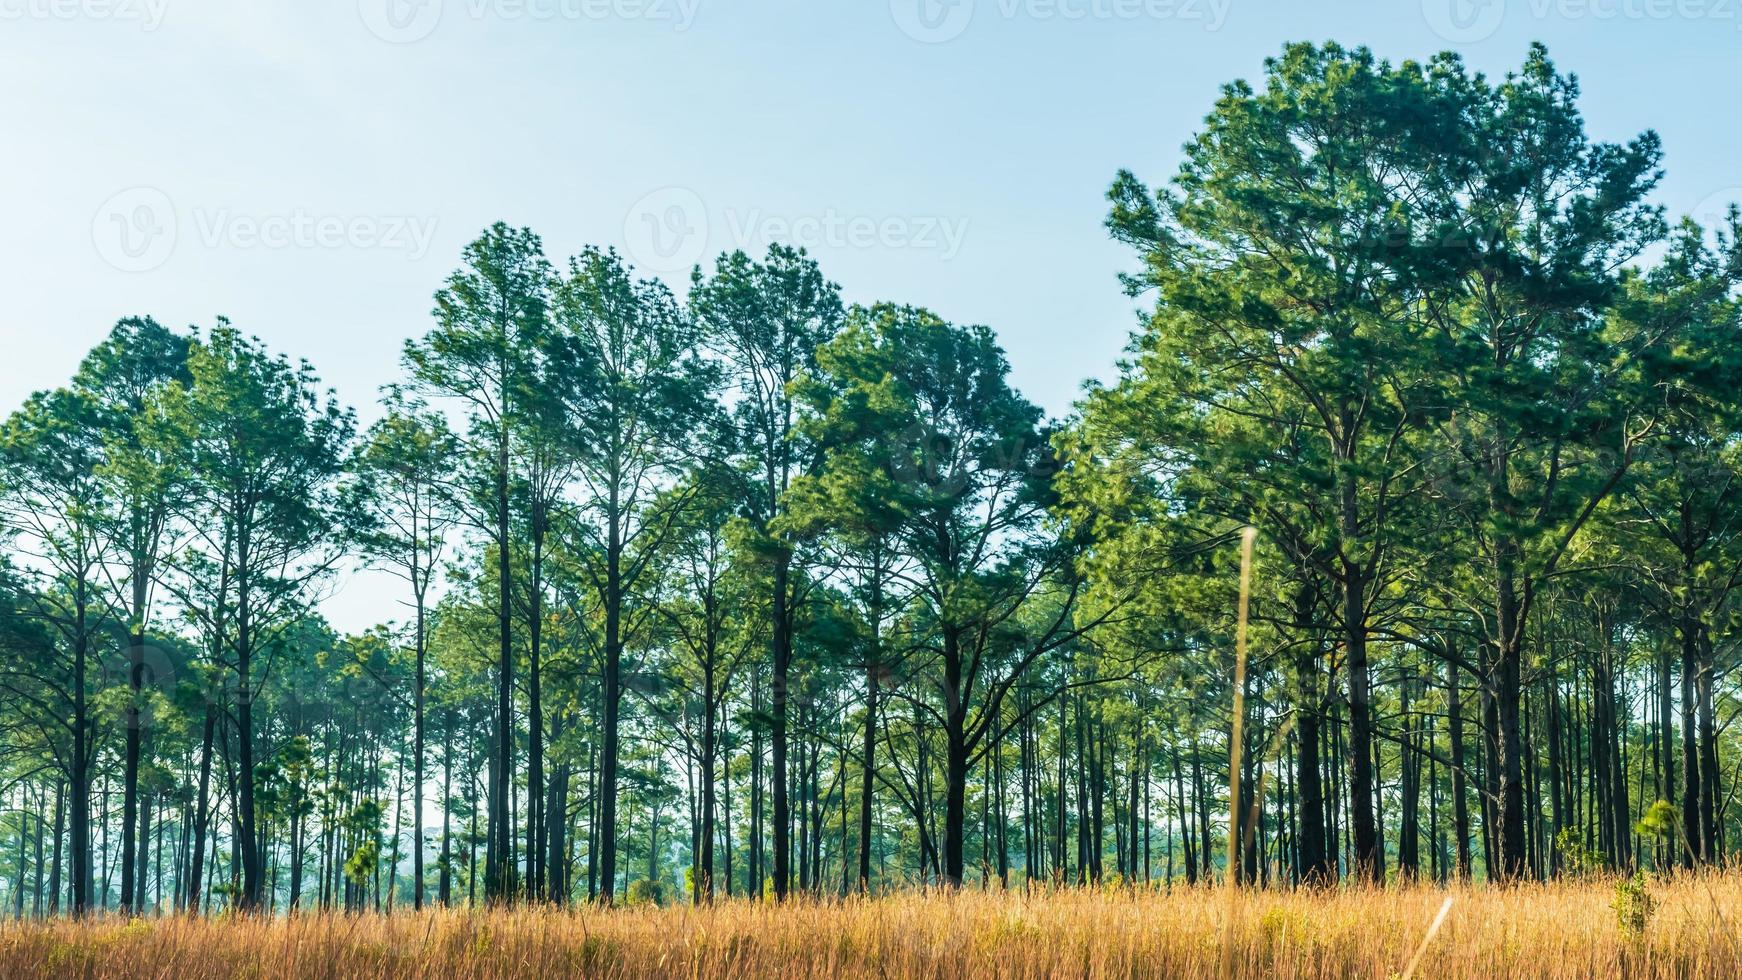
<point x="311" y="170"/>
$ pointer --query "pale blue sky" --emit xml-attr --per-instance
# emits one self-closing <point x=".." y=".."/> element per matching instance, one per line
<point x="312" y="169"/>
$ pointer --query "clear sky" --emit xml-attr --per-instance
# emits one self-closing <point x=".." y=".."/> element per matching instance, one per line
<point x="312" y="169"/>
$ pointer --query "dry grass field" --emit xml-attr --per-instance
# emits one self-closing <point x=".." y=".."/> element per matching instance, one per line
<point x="1563" y="930"/>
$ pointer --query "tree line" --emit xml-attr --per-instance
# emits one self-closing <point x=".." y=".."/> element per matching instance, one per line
<point x="753" y="592"/>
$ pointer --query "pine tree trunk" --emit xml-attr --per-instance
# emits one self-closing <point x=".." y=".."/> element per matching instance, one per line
<point x="782" y="653"/>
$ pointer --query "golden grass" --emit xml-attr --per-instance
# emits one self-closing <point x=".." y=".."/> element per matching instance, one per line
<point x="1563" y="930"/>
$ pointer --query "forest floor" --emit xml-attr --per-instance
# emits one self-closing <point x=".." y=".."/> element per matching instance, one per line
<point x="1561" y="930"/>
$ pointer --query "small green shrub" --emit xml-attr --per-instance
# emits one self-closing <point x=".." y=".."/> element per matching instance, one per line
<point x="1633" y="904"/>
<point x="646" y="891"/>
<point x="1576" y="858"/>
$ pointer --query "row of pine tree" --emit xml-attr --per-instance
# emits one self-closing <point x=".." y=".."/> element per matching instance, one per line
<point x="750" y="591"/>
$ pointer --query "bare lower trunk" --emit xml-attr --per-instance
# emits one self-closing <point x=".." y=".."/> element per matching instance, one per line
<point x="1460" y="797"/>
<point x="782" y="640"/>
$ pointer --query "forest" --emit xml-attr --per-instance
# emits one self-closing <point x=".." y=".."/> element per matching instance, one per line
<point x="729" y="588"/>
